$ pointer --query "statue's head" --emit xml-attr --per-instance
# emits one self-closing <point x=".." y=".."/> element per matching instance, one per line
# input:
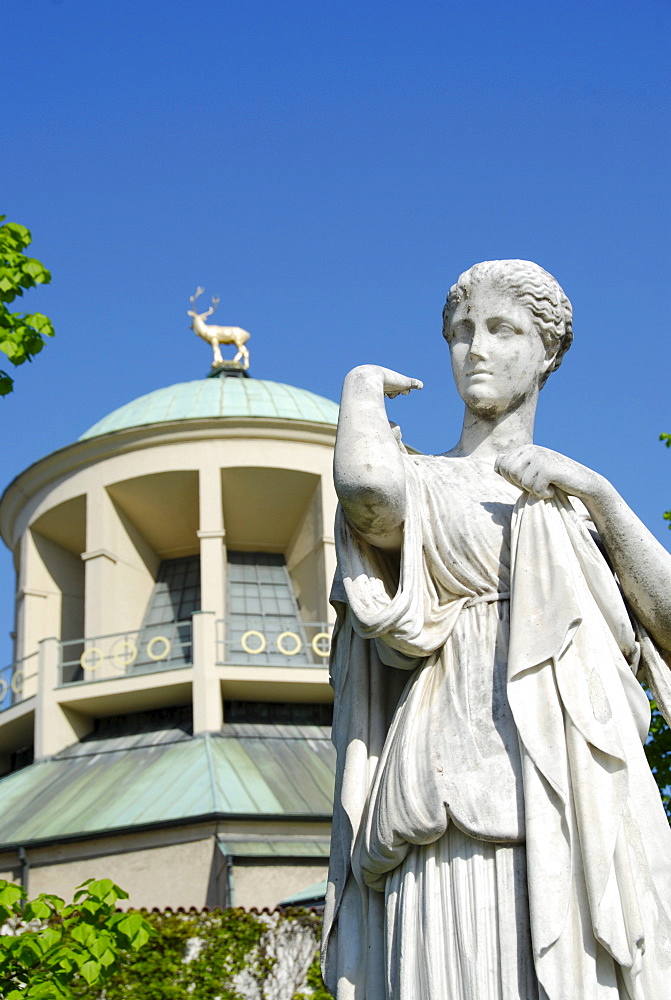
<point x="532" y="287"/>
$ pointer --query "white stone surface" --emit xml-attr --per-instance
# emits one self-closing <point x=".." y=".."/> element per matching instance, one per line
<point x="497" y="832"/>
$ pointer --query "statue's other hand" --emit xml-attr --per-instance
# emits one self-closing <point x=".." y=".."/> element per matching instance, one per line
<point x="393" y="383"/>
<point x="538" y="470"/>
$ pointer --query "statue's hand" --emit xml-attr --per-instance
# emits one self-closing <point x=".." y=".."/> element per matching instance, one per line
<point x="392" y="383"/>
<point x="538" y="470"/>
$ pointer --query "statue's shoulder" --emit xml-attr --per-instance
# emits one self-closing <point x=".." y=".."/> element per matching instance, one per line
<point x="453" y="466"/>
<point x="441" y="469"/>
<point x="454" y="477"/>
<point x="430" y="465"/>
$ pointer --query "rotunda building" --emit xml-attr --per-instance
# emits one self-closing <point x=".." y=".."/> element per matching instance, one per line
<point x="166" y="719"/>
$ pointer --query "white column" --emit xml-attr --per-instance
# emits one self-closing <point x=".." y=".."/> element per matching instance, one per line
<point x="38" y="601"/>
<point x="99" y="563"/>
<point x="329" y="502"/>
<point x="55" y="726"/>
<point x="30" y="604"/>
<point x="208" y="713"/>
<point x="211" y="535"/>
<point x="330" y="563"/>
<point x="208" y="709"/>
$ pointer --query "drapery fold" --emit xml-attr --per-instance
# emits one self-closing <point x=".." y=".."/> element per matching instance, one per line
<point x="593" y="817"/>
<point x="597" y="840"/>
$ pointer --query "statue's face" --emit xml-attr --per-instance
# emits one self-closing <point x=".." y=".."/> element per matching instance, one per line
<point x="497" y="353"/>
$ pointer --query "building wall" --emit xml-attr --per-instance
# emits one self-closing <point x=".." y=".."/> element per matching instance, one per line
<point x="138" y="505"/>
<point x="173" y="875"/>
<point x="89" y="526"/>
<point x="167" y="868"/>
<point x="266" y="884"/>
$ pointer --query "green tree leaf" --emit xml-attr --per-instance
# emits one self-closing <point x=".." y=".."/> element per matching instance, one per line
<point x="91" y="971"/>
<point x="84" y="934"/>
<point x="37" y="910"/>
<point x="134" y="927"/>
<point x="21" y="335"/>
<point x="10" y="894"/>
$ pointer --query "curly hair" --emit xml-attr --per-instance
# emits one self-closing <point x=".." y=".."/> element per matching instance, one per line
<point x="534" y="287"/>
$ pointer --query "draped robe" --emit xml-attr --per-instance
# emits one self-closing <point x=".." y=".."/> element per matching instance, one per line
<point x="485" y="691"/>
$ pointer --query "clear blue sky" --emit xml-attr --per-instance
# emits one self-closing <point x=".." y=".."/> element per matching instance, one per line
<point x="328" y="169"/>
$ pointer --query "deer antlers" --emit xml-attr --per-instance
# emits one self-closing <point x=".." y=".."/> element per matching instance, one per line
<point x="199" y="291"/>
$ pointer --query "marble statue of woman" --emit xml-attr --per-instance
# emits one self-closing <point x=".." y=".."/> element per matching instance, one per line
<point x="497" y="832"/>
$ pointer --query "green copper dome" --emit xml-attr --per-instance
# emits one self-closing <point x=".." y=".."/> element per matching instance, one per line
<point x="209" y="398"/>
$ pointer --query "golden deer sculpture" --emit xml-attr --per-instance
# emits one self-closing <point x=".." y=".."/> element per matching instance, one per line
<point x="216" y="335"/>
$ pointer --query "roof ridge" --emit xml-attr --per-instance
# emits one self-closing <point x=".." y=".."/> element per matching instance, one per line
<point x="211" y="772"/>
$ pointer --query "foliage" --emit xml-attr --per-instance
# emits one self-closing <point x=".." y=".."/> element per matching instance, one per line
<point x="50" y="950"/>
<point x="86" y="949"/>
<point x="666" y="438"/>
<point x="21" y="334"/>
<point x="224" y="940"/>
<point x="315" y="983"/>
<point x="658" y="752"/>
<point x="658" y="746"/>
<point x="313" y="979"/>
<point x="213" y="955"/>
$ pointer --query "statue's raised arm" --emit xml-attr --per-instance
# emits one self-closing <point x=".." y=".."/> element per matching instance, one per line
<point x="369" y="474"/>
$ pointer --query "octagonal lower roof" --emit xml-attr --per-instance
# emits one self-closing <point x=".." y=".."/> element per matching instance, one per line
<point x="218" y="397"/>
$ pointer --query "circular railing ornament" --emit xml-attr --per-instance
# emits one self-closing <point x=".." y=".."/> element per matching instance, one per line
<point x="85" y="661"/>
<point x="244" y="642"/>
<point x="323" y="651"/>
<point x="165" y="649"/>
<point x="279" y="642"/>
<point x="124" y="653"/>
<point x="17" y="681"/>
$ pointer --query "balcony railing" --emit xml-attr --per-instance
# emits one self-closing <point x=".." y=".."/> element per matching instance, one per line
<point x="244" y="641"/>
<point x="18" y="681"/>
<point x="273" y="642"/>
<point x="147" y="650"/>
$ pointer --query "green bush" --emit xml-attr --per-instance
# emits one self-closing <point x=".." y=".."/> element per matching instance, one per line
<point x="197" y="955"/>
<point x="52" y="950"/>
<point x="161" y="972"/>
